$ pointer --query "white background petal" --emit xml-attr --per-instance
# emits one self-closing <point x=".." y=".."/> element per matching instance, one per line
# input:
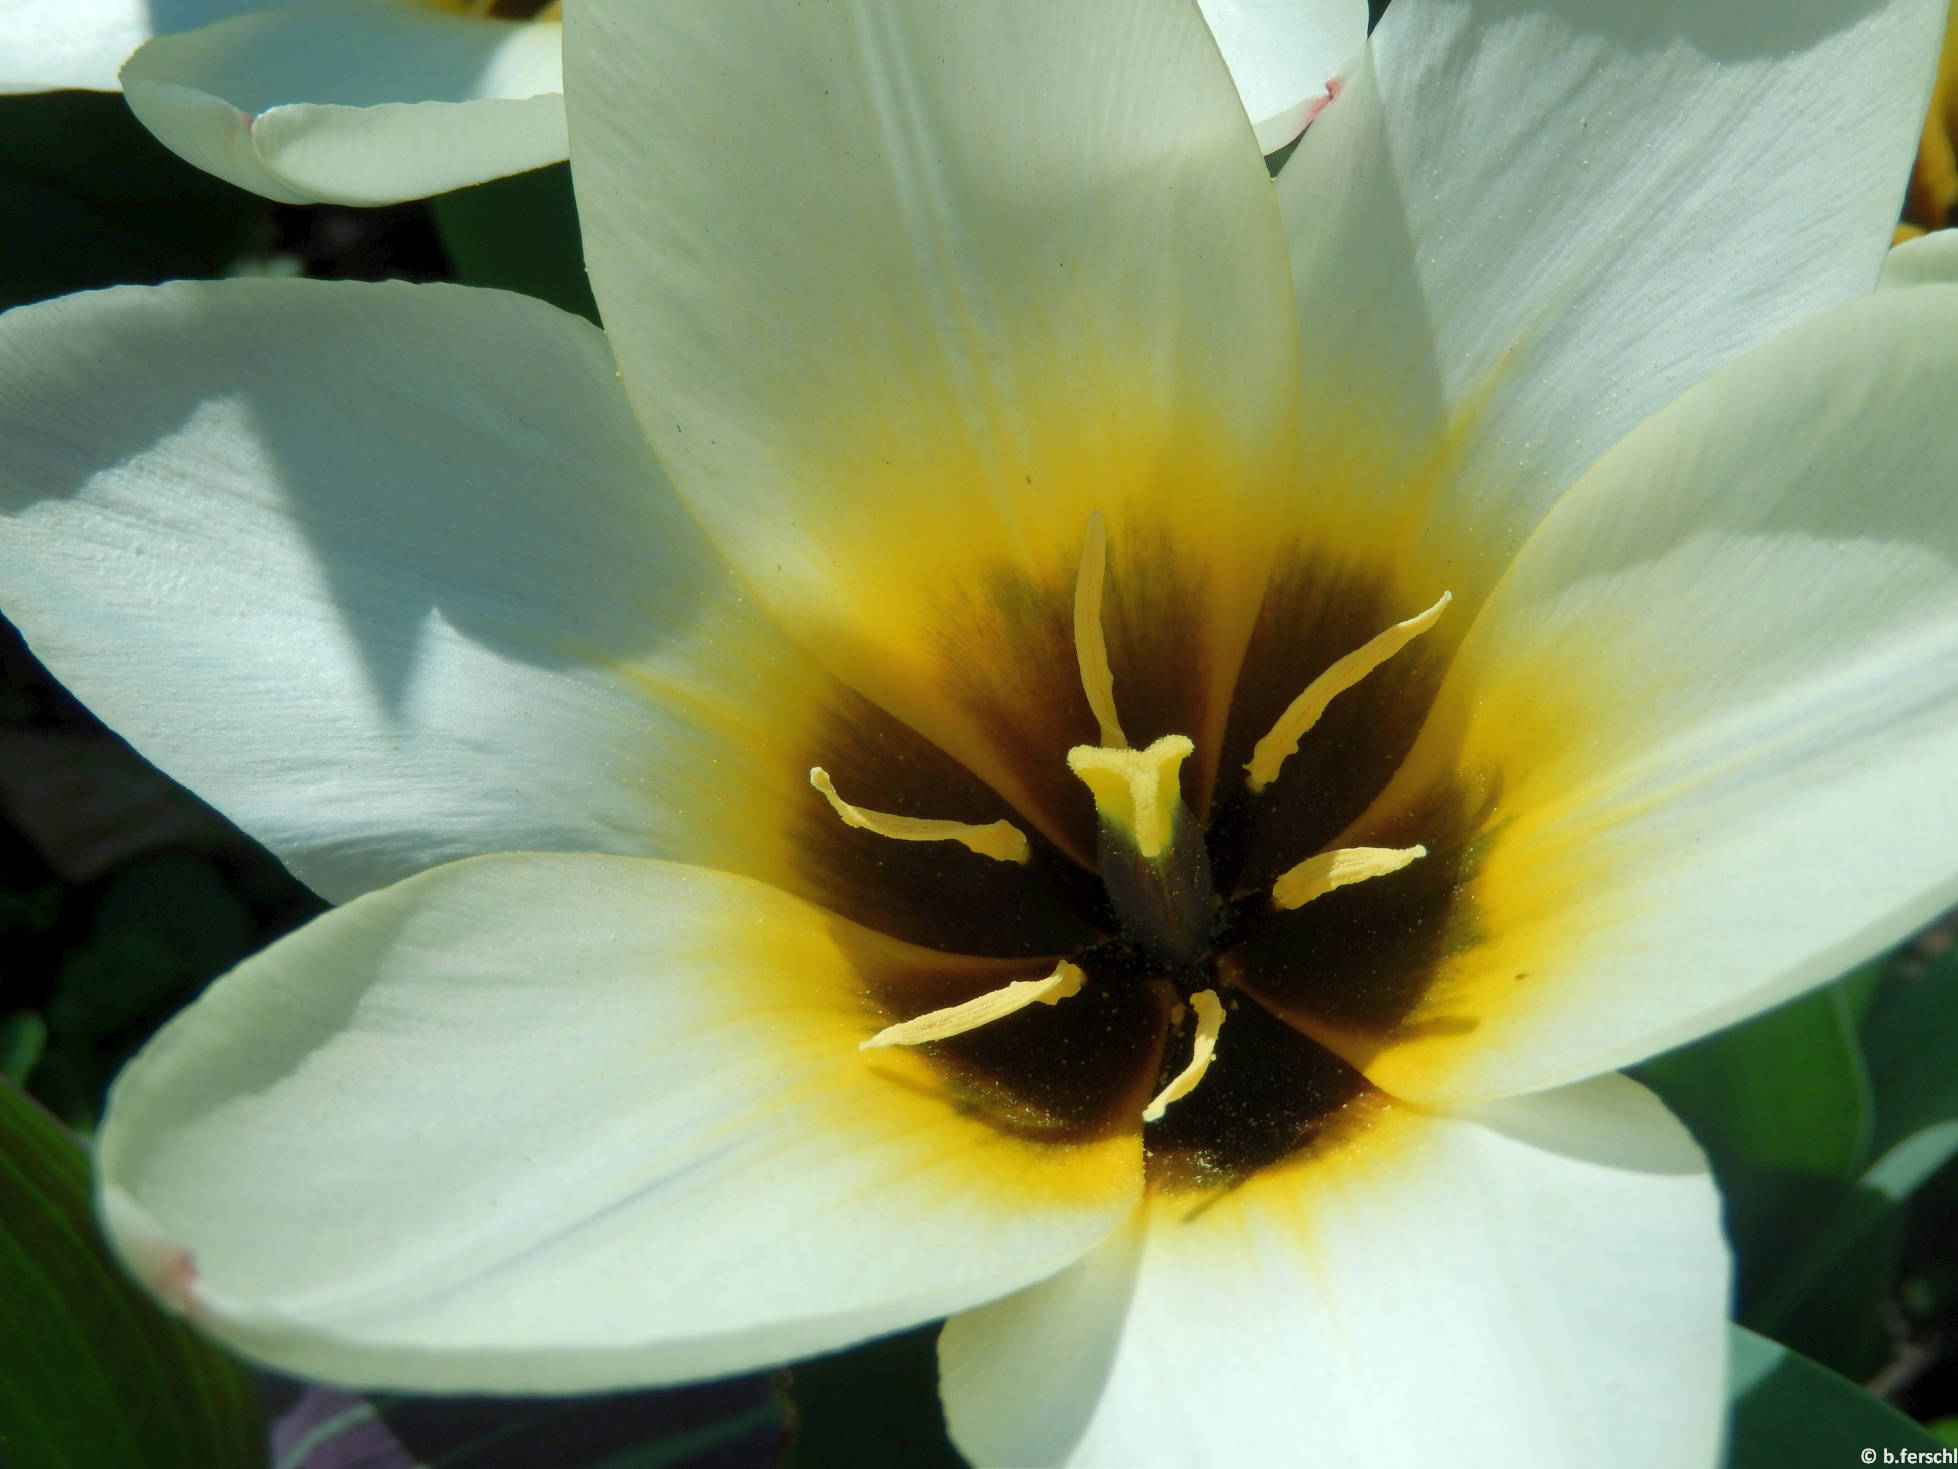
<point x="1923" y="261"/>
<point x="1554" y="217"/>
<point x="82" y="43"/>
<point x="354" y="103"/>
<point x="1282" y="53"/>
<point x="542" y="1124"/>
<point x="385" y="572"/>
<point x="1716" y="700"/>
<point x="1536" y="1282"/>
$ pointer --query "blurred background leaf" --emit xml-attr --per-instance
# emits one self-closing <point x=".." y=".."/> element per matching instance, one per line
<point x="1832" y="1124"/>
<point x="519" y="234"/>
<point x="91" y="199"/>
<point x="743" y="1423"/>
<point x="1788" y="1413"/>
<point x="874" y="1407"/>
<point x="92" y="1376"/>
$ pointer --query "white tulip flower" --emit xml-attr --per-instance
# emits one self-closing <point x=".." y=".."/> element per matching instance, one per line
<point x="1045" y="730"/>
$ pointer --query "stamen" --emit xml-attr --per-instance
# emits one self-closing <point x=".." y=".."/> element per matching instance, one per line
<point x="1203" y="1049"/>
<point x="1276" y="747"/>
<point x="938" y="1025"/>
<point x="1000" y="840"/>
<point x="1341" y="867"/>
<point x="1090" y="647"/>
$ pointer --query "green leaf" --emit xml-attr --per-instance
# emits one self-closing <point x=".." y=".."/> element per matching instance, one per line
<point x="165" y="924"/>
<point x="91" y="199"/>
<point x="1789" y="1413"/>
<point x="874" y="1407"/>
<point x="1910" y="1038"/>
<point x="92" y="1376"/>
<point x="23" y="1036"/>
<point x="1786" y="1093"/>
<point x="519" y="234"/>
<point x="1784" y="1106"/>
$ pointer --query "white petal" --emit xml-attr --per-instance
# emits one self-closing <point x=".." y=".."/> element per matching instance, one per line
<point x="1714" y="707"/>
<point x="1282" y="53"/>
<point x="1532" y="1282"/>
<point x="385" y="572"/>
<point x="82" y="43"/>
<point x="552" y="1123"/>
<point x="354" y="103"/>
<point x="1549" y="221"/>
<point x="1926" y="260"/>
<point x="1020" y="264"/>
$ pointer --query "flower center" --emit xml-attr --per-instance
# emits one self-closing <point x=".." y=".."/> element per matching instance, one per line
<point x="1174" y="936"/>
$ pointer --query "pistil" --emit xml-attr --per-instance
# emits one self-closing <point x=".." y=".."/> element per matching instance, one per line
<point x="1149" y="847"/>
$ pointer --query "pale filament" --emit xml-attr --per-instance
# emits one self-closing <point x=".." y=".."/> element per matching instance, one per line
<point x="1203" y="1049"/>
<point x="938" y="1025"/>
<point x="1000" y="840"/>
<point x="1303" y="712"/>
<point x="1090" y="645"/>
<point x="1341" y="867"/>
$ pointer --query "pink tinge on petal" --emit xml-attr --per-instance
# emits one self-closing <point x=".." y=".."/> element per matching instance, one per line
<point x="1334" y="86"/>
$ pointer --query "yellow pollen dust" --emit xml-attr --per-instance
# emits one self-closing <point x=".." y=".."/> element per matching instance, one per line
<point x="1090" y="645"/>
<point x="1203" y="1050"/>
<point x="938" y="1025"/>
<point x="1136" y="791"/>
<point x="1317" y="876"/>
<point x="1000" y="840"/>
<point x="1303" y="712"/>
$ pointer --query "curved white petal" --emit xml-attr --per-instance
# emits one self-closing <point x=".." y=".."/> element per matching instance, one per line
<point x="1540" y="1281"/>
<point x="1714" y="711"/>
<point x="1550" y="219"/>
<point x="387" y="573"/>
<point x="1282" y="53"/>
<point x="1019" y="264"/>
<point x="82" y="43"/>
<point x="359" y="102"/>
<point x="556" y="1123"/>
<point x="1927" y="260"/>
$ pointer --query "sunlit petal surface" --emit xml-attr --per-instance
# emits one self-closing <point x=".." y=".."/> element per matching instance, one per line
<point x="1439" y="632"/>
<point x="1532" y="1282"/>
<point x="657" y="1154"/>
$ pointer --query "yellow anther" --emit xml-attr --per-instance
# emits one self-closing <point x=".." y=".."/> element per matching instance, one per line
<point x="1000" y="840"/>
<point x="1303" y="712"/>
<point x="1341" y="867"/>
<point x="1090" y="645"/>
<point x="1203" y="1049"/>
<point x="1136" y="791"/>
<point x="938" y="1025"/>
